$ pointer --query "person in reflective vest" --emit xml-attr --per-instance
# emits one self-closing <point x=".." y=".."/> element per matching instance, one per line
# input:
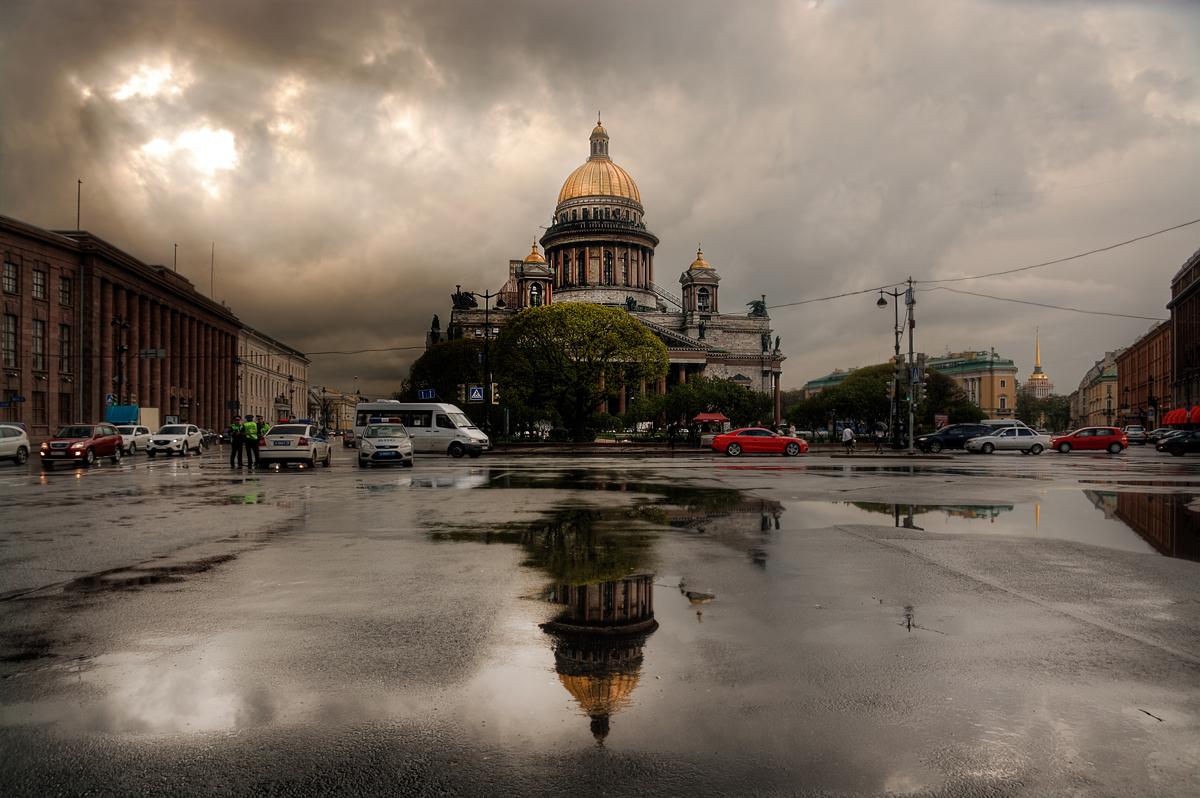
<point x="250" y="428"/>
<point x="237" y="440"/>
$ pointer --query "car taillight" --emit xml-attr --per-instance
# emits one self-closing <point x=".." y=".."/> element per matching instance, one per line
<point x="302" y="442"/>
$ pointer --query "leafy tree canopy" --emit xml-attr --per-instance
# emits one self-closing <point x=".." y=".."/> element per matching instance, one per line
<point x="564" y="359"/>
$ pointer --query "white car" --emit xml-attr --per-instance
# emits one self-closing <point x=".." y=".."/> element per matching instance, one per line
<point x="134" y="438"/>
<point x="295" y="443"/>
<point x="175" y="439"/>
<point x="14" y="444"/>
<point x="1021" y="439"/>
<point x="385" y="444"/>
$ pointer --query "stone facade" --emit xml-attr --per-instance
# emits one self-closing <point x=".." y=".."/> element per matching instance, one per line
<point x="83" y="321"/>
<point x="599" y="250"/>
<point x="1185" y="333"/>
<point x="1096" y="402"/>
<point x="1144" y="378"/>
<point x="272" y="378"/>
<point x="988" y="380"/>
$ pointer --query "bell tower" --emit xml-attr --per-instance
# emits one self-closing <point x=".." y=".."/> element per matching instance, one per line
<point x="699" y="284"/>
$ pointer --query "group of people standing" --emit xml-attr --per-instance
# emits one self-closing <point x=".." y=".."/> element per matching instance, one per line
<point x="246" y="435"/>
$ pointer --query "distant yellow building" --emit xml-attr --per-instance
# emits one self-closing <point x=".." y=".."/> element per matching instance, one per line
<point x="988" y="380"/>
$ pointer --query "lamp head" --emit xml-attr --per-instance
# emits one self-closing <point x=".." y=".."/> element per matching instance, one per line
<point x="881" y="302"/>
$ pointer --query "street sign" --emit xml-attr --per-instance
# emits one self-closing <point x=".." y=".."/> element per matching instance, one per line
<point x="475" y="393"/>
<point x="152" y="354"/>
<point x="914" y="376"/>
<point x="426" y="393"/>
<point x="16" y="400"/>
<point x="5" y="405"/>
<point x="110" y="398"/>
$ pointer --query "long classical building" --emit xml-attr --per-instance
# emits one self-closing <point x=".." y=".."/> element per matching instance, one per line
<point x="86" y="325"/>
<point x="988" y="380"/>
<point x="598" y="249"/>
<point x="272" y="377"/>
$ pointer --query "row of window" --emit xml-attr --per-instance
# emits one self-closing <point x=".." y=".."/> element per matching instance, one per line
<point x="37" y="408"/>
<point x="10" y="353"/>
<point x="578" y="274"/>
<point x="41" y="284"/>
<point x="614" y="214"/>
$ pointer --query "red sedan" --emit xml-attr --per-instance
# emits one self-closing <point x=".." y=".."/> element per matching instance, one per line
<point x="1108" y="439"/>
<point x="755" y="440"/>
<point x="82" y="444"/>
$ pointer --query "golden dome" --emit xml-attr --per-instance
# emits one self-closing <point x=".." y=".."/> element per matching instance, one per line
<point x="599" y="178"/>
<point x="534" y="256"/>
<point x="700" y="262"/>
<point x="600" y="694"/>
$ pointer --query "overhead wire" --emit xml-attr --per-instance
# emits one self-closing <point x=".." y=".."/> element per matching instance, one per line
<point x="1045" y="304"/>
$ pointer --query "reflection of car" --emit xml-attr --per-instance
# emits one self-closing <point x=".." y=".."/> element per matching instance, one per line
<point x="1180" y="443"/>
<point x="14" y="444"/>
<point x="295" y="443"/>
<point x="82" y="444"/>
<point x="176" y="439"/>
<point x="1021" y="439"/>
<point x="755" y="440"/>
<point x="385" y="444"/>
<point x="954" y="436"/>
<point x="1136" y="433"/>
<point x="133" y="438"/>
<point x="1092" y="439"/>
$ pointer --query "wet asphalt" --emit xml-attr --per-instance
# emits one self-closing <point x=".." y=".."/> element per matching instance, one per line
<point x="1000" y="625"/>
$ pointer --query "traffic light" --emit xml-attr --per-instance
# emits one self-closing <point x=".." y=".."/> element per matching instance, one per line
<point x="462" y="392"/>
<point x="495" y="393"/>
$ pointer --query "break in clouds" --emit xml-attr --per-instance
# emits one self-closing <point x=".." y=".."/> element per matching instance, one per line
<point x="354" y="161"/>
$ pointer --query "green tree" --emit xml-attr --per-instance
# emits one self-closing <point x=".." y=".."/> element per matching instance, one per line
<point x="444" y="367"/>
<point x="566" y="358"/>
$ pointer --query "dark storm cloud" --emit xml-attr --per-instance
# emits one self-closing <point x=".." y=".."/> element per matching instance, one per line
<point x="353" y="161"/>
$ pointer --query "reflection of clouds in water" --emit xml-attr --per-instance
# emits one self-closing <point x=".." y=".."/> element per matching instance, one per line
<point x="191" y="692"/>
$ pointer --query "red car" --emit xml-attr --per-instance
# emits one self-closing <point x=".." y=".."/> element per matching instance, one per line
<point x="82" y="444"/>
<point x="755" y="440"/>
<point x="1108" y="439"/>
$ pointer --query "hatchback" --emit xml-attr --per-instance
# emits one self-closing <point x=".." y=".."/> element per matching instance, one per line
<point x="1108" y="439"/>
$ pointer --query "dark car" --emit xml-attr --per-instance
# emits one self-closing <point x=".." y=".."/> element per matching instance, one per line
<point x="82" y="444"/>
<point x="953" y="436"/>
<point x="1180" y="444"/>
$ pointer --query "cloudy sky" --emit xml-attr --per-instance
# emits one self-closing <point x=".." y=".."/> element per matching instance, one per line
<point x="353" y="161"/>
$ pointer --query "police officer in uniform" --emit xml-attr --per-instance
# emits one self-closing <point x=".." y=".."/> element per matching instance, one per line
<point x="238" y="441"/>
<point x="250" y="428"/>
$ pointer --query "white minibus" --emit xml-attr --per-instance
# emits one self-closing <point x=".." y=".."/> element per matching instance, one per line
<point x="433" y="427"/>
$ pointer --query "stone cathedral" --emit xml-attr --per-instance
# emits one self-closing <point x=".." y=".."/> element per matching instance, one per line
<point x="598" y="249"/>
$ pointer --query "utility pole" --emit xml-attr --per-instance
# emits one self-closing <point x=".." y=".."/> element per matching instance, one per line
<point x="212" y="271"/>
<point x="487" y="362"/>
<point x="897" y="334"/>
<point x="910" y="299"/>
<point x="78" y="199"/>
<point x="175" y="259"/>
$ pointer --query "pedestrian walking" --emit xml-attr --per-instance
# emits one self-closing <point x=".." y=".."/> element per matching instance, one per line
<point x="672" y="431"/>
<point x="237" y="437"/>
<point x="848" y="439"/>
<point x="250" y="428"/>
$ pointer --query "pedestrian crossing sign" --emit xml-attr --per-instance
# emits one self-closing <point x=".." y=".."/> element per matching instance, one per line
<point x="475" y="393"/>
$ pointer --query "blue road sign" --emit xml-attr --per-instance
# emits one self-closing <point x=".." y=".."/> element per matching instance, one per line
<point x="17" y="400"/>
<point x="475" y="393"/>
<point x="427" y="393"/>
<point x="110" y="398"/>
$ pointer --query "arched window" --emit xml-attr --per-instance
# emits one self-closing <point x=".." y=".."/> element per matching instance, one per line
<point x="582" y="271"/>
<point x="574" y="215"/>
<point x="585" y="214"/>
<point x="535" y="295"/>
<point x="624" y="268"/>
<point x="703" y="299"/>
<point x="608" y="268"/>
<point x="566" y="268"/>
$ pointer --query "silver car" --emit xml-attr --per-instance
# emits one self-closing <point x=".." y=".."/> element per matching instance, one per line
<point x="134" y="439"/>
<point x="175" y="439"/>
<point x="385" y="444"/>
<point x="1021" y="439"/>
<point x="295" y="443"/>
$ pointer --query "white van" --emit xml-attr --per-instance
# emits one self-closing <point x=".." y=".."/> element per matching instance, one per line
<point x="433" y="427"/>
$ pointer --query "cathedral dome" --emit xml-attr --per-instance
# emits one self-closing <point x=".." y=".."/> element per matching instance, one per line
<point x="700" y="262"/>
<point x="534" y="256"/>
<point x="599" y="176"/>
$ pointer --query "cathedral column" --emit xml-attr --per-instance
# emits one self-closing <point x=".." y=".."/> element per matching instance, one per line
<point x="642" y="389"/>
<point x="621" y="399"/>
<point x="778" y="398"/>
<point x="682" y="373"/>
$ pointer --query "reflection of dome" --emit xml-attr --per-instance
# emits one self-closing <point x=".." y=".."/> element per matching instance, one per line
<point x="599" y="176"/>
<point x="600" y="696"/>
<point x="534" y="256"/>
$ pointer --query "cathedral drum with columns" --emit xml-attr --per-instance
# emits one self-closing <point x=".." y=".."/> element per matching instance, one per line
<point x="599" y="250"/>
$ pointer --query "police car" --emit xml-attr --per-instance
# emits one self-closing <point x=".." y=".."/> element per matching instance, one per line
<point x="385" y="443"/>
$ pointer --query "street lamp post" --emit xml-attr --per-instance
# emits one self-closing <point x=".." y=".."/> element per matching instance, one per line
<point x="883" y="303"/>
<point x="119" y="325"/>
<point x="910" y="301"/>
<point x="487" y="296"/>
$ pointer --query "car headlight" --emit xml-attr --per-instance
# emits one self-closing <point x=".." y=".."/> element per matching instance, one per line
<point x="76" y="445"/>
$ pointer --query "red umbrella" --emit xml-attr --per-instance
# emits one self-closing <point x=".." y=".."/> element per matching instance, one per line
<point x="716" y="417"/>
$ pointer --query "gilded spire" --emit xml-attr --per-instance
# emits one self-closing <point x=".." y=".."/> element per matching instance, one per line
<point x="1037" y="348"/>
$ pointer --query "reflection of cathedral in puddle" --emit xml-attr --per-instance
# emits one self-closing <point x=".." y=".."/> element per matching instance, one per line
<point x="598" y="641"/>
